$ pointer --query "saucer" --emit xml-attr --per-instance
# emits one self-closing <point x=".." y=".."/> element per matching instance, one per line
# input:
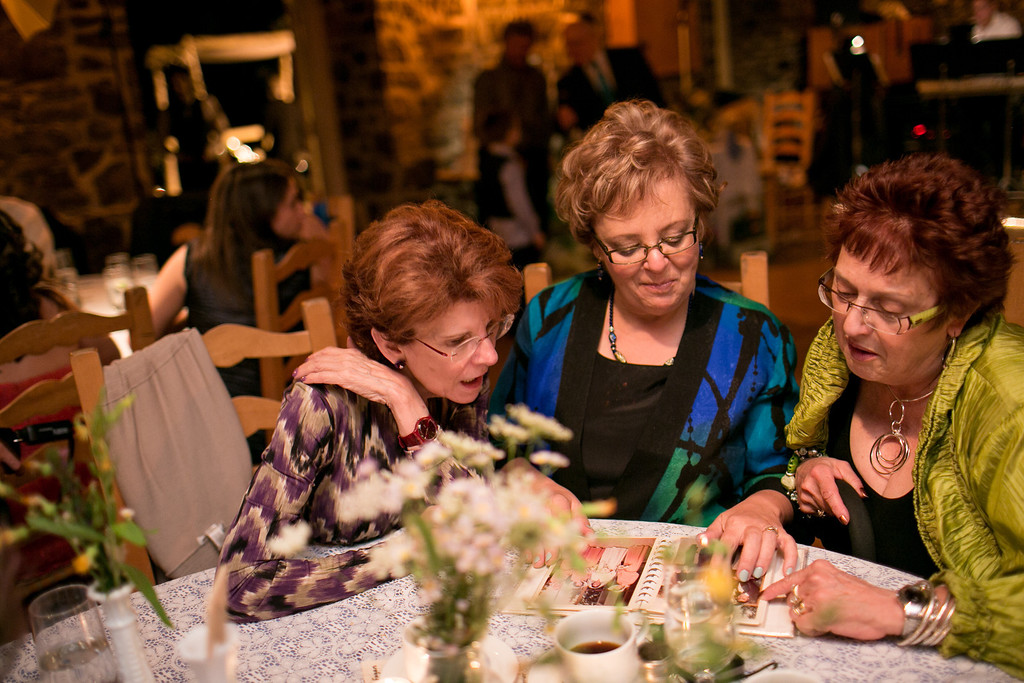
<point x="500" y="657"/>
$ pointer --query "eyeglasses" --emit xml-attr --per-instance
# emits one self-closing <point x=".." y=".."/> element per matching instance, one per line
<point x="875" y="318"/>
<point x="668" y="246"/>
<point x="466" y="349"/>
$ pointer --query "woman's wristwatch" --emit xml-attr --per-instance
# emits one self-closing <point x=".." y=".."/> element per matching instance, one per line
<point x="424" y="431"/>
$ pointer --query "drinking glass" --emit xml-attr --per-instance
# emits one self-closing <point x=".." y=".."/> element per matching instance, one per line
<point x="699" y="611"/>
<point x="71" y="644"/>
<point x="67" y="274"/>
<point x="117" y="278"/>
<point x="144" y="269"/>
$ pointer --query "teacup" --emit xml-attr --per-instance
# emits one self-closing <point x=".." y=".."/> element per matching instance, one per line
<point x="598" y="646"/>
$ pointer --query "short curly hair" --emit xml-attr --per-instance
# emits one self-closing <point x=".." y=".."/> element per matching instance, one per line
<point x="932" y="212"/>
<point x="21" y="270"/>
<point x="415" y="263"/>
<point x="619" y="161"/>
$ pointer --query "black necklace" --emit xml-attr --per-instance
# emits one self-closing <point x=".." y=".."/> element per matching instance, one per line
<point x="611" y="332"/>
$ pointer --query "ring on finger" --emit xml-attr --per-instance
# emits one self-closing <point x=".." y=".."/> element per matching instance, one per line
<point x="819" y="512"/>
<point x="771" y="528"/>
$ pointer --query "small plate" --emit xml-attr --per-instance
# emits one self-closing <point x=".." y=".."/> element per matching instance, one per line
<point x="500" y="656"/>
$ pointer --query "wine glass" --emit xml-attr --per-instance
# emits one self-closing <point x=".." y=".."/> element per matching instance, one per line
<point x="699" y="611"/>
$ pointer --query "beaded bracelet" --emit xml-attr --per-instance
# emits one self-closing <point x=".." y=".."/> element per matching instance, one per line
<point x="789" y="478"/>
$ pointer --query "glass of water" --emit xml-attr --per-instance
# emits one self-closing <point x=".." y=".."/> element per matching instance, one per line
<point x="71" y="644"/>
<point x="699" y="611"/>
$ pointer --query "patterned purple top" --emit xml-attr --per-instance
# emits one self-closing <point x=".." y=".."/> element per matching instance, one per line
<point x="323" y="433"/>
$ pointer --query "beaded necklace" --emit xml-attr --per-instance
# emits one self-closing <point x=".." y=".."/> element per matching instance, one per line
<point x="611" y="332"/>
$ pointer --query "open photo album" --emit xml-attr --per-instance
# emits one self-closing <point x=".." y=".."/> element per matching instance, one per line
<point x="630" y="571"/>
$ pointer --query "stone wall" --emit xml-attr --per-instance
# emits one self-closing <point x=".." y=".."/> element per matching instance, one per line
<point x="70" y="122"/>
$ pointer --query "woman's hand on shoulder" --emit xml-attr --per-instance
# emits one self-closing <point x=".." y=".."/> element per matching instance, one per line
<point x="351" y="369"/>
<point x="829" y="600"/>
<point x="755" y="525"/>
<point x="816" y="486"/>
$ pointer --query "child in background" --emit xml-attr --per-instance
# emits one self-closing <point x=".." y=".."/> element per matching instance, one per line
<point x="503" y="203"/>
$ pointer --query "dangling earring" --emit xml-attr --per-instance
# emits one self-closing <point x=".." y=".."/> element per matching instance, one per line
<point x="400" y="364"/>
<point x="600" y="270"/>
<point x="948" y="356"/>
<point x="701" y="251"/>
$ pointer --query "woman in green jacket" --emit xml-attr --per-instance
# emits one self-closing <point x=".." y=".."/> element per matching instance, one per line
<point x="913" y="395"/>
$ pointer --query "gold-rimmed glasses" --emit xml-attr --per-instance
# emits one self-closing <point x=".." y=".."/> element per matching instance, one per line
<point x="495" y="331"/>
<point x="876" y="318"/>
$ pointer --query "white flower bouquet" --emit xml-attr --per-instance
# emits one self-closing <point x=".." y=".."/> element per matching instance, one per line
<point x="468" y="529"/>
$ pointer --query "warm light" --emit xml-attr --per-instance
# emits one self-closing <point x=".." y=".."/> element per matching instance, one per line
<point x="857" y="45"/>
<point x="919" y="130"/>
<point x="233" y="144"/>
<point x="302" y="166"/>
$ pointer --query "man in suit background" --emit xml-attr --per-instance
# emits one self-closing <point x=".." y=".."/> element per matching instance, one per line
<point x="599" y="77"/>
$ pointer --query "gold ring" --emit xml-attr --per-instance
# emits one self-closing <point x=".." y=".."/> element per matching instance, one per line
<point x="798" y="607"/>
<point x="796" y="591"/>
<point x="772" y="528"/>
<point x="820" y="512"/>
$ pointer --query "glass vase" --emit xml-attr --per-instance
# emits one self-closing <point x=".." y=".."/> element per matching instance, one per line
<point x="699" y="613"/>
<point x="122" y="622"/>
<point x="433" y="662"/>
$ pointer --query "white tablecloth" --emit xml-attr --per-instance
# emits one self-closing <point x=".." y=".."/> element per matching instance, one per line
<point x="328" y="643"/>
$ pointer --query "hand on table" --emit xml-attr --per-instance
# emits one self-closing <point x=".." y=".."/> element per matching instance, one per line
<point x="823" y="599"/>
<point x="816" y="488"/>
<point x="560" y="502"/>
<point x="755" y="525"/>
<point x="351" y="369"/>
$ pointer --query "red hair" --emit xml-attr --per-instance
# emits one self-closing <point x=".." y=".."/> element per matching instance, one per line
<point x="931" y="212"/>
<point x="414" y="264"/>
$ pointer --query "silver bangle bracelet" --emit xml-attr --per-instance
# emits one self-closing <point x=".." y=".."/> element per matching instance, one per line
<point x="928" y="626"/>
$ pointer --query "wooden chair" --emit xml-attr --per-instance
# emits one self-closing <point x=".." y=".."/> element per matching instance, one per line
<point x="266" y="276"/>
<point x="1013" y="306"/>
<point x="228" y="345"/>
<point x="753" y="282"/>
<point x="787" y="139"/>
<point x="54" y="396"/>
<point x="536" y="276"/>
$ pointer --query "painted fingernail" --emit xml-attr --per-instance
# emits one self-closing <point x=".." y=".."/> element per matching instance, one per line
<point x="789" y="570"/>
<point x="844" y="519"/>
<point x="758" y="572"/>
<point x="744" y="575"/>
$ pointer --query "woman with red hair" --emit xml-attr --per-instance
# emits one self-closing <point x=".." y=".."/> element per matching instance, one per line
<point x="912" y="402"/>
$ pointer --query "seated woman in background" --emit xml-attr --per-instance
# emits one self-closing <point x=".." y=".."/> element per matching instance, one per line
<point x="677" y="390"/>
<point x="252" y="207"/>
<point x="28" y="296"/>
<point x="913" y="395"/>
<point x="425" y="297"/>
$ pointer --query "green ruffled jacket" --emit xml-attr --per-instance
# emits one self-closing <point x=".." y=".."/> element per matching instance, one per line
<point x="968" y="479"/>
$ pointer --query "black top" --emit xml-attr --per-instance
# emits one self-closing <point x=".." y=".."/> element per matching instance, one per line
<point x="621" y="398"/>
<point x="898" y="542"/>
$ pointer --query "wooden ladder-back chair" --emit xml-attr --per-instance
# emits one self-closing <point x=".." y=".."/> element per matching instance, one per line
<point x="1013" y="306"/>
<point x="185" y="547"/>
<point x="787" y="140"/>
<point x="231" y="344"/>
<point x="228" y="345"/>
<point x="753" y="282"/>
<point x="536" y="276"/>
<point x="266" y="276"/>
<point x="50" y="397"/>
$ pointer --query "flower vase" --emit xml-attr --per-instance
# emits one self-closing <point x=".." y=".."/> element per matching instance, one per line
<point x="427" y="662"/>
<point x="121" y="621"/>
